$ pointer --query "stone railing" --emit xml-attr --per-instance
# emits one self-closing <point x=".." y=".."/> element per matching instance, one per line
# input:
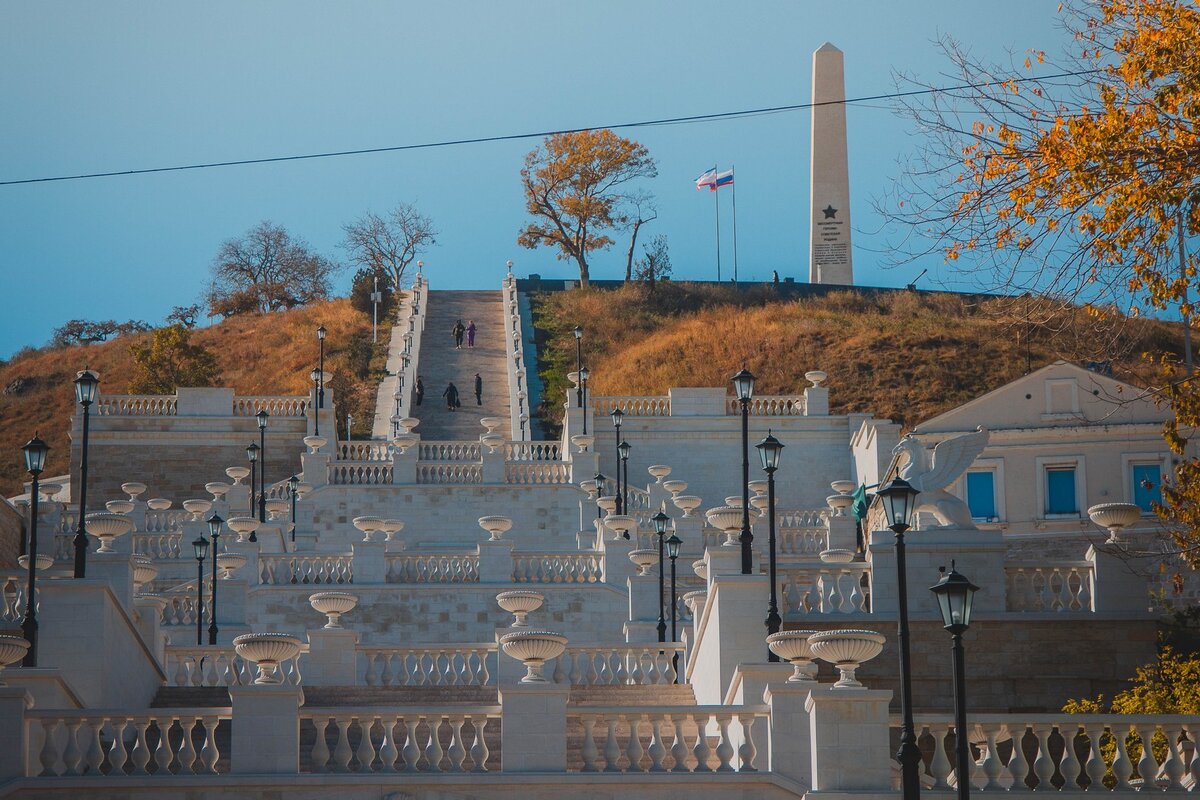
<point x="518" y="378"/>
<point x="1060" y="587"/>
<point x="400" y="739"/>
<point x="180" y="607"/>
<point x="449" y="473"/>
<point x="114" y="743"/>
<point x="446" y="665"/>
<point x="363" y="451"/>
<point x="768" y="406"/>
<point x="275" y="406"/>
<point x="1068" y="753"/>
<point x="410" y="317"/>
<point x="431" y="567"/>
<point x="360" y="473"/>
<point x="532" y="451"/>
<point x="160" y="545"/>
<point x="307" y="568"/>
<point x="532" y="567"/>
<point x="619" y="665"/>
<point x="803" y="541"/>
<point x="801" y="517"/>
<point x="532" y="473"/>
<point x="135" y="405"/>
<point x="220" y="666"/>
<point x="824" y="589"/>
<point x="448" y="451"/>
<point x="12" y="595"/>
<point x="632" y="406"/>
<point x="668" y="739"/>
<point x="169" y="521"/>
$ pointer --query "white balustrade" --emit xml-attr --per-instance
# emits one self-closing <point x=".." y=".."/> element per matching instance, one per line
<point x="534" y="473"/>
<point x="529" y="567"/>
<point x="168" y="521"/>
<point x="100" y="743"/>
<point x="159" y="545"/>
<point x="220" y="666"/>
<point x="314" y="568"/>
<point x="363" y="451"/>
<point x="619" y="665"/>
<point x="825" y="589"/>
<point x="533" y="451"/>
<point x="768" y="406"/>
<point x="1061" y="587"/>
<point x="448" y="451"/>
<point x="400" y="740"/>
<point x="449" y="473"/>
<point x="667" y="739"/>
<point x="180" y="608"/>
<point x="135" y="405"/>
<point x="276" y="406"/>
<point x="451" y="665"/>
<point x="632" y="406"/>
<point x="801" y="517"/>
<point x="803" y="541"/>
<point x="12" y="596"/>
<point x="429" y="567"/>
<point x="364" y="473"/>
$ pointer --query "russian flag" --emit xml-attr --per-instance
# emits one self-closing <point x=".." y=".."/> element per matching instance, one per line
<point x="707" y="180"/>
<point x="722" y="179"/>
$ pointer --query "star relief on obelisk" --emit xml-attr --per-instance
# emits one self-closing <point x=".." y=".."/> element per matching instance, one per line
<point x="829" y="211"/>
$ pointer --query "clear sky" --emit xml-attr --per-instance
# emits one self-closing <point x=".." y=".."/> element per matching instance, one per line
<point x="117" y="85"/>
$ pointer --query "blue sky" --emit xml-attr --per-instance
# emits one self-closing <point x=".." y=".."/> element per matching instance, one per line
<point x="104" y="86"/>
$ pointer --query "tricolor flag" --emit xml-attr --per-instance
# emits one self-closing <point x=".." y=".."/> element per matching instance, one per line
<point x="723" y="179"/>
<point x="708" y="179"/>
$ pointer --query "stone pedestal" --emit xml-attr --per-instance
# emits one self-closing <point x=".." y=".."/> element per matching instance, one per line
<point x="641" y="632"/>
<point x="148" y="618"/>
<point x="843" y="532"/>
<point x="232" y="598"/>
<point x="533" y="734"/>
<point x="332" y="657"/>
<point x="115" y="569"/>
<point x="404" y="466"/>
<point x="237" y="502"/>
<point x="978" y="554"/>
<point x="848" y="739"/>
<point x="816" y="401"/>
<point x="493" y="467"/>
<point x="751" y="680"/>
<point x="789" y="745"/>
<point x="723" y="561"/>
<point x="643" y="599"/>
<point x="732" y="634"/>
<point x="370" y="566"/>
<point x="1120" y="583"/>
<point x="495" y="562"/>
<point x="248" y="572"/>
<point x="265" y="735"/>
<point x="615" y="566"/>
<point x="315" y="467"/>
<point x="14" y="702"/>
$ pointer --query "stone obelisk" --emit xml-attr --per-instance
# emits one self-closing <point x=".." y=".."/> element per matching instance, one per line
<point x="829" y="242"/>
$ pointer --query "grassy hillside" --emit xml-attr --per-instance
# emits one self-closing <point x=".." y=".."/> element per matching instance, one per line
<point x="257" y="354"/>
<point x="906" y="356"/>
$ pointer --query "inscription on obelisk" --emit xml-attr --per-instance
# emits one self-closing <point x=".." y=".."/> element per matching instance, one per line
<point x="830" y="259"/>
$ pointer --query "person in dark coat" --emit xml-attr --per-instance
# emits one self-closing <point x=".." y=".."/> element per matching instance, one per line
<point x="451" y="395"/>
<point x="458" y="330"/>
<point x="420" y="391"/>
<point x="471" y="333"/>
<point x="478" y="390"/>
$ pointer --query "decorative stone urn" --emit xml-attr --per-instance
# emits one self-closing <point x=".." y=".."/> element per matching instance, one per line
<point x="846" y="650"/>
<point x="217" y="489"/>
<point x="120" y="506"/>
<point x="267" y="651"/>
<point x="759" y="503"/>
<point x="589" y="487"/>
<point x="620" y="524"/>
<point x="408" y="423"/>
<point x="12" y="650"/>
<point x="695" y="602"/>
<point x="735" y="501"/>
<point x="491" y="423"/>
<point x="197" y="508"/>
<point x="243" y="527"/>
<point x="534" y="648"/>
<point x="520" y="603"/>
<point x="44" y="562"/>
<point x="277" y="508"/>
<point x="237" y="474"/>
<point x="368" y="525"/>
<point x="403" y="441"/>
<point x="758" y="487"/>
<point x="144" y="571"/>
<point x="133" y="489"/>
<point x="496" y="526"/>
<point x="158" y="504"/>
<point x="583" y="441"/>
<point x="314" y="444"/>
<point x="491" y="440"/>
<point x="843" y="487"/>
<point x="230" y="563"/>
<point x="675" y="487"/>
<point x="48" y="490"/>
<point x="816" y="377"/>
<point x="333" y="605"/>
<point x="643" y="560"/>
<point x="837" y="556"/>
<point x="700" y="567"/>
<point x="1115" y="517"/>
<point x="106" y="526"/>
<point x="390" y="528"/>
<point x="607" y="503"/>
<point x="793" y="646"/>
<point x="839" y="503"/>
<point x="727" y="519"/>
<point x="658" y="472"/>
<point x="687" y="503"/>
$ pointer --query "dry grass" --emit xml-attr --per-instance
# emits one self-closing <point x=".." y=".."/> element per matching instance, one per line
<point x="257" y="354"/>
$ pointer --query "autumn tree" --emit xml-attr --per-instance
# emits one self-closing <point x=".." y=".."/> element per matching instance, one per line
<point x="267" y="269"/>
<point x="577" y="189"/>
<point x="655" y="263"/>
<point x="642" y="210"/>
<point x="391" y="242"/>
<point x="187" y="316"/>
<point x="1075" y="177"/>
<point x="169" y="360"/>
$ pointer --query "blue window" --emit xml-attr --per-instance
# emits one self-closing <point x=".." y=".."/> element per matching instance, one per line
<point x="1147" y="485"/>
<point x="981" y="494"/>
<point x="1060" y="491"/>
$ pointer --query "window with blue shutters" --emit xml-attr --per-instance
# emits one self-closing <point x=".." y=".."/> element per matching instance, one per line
<point x="1147" y="485"/>
<point x="1060" y="490"/>
<point x="981" y="495"/>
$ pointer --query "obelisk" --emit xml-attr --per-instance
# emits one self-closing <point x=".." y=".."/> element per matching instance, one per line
<point x="829" y="243"/>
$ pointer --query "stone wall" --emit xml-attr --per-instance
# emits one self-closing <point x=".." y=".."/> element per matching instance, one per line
<point x="12" y="531"/>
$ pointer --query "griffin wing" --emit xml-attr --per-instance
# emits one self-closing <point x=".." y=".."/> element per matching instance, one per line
<point x="951" y="459"/>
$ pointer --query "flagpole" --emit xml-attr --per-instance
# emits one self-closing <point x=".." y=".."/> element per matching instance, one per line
<point x="734" y="198"/>
<point x="717" y="210"/>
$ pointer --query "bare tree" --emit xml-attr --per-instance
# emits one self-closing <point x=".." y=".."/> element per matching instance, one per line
<point x="656" y="262"/>
<point x="266" y="270"/>
<point x="390" y="243"/>
<point x="642" y="210"/>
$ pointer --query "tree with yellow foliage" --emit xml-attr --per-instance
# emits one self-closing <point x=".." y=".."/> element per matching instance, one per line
<point x="576" y="190"/>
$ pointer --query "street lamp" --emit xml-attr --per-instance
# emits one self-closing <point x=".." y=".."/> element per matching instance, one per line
<point x="262" y="417"/>
<point x="293" y="485"/>
<point x="601" y="489"/>
<point x="899" y="499"/>
<point x="743" y="387"/>
<point x="617" y="416"/>
<point x="315" y="377"/>
<point x="768" y="452"/>
<point x="86" y="383"/>
<point x="673" y="552"/>
<point x="214" y="531"/>
<point x="583" y="379"/>
<point x="252" y="457"/>
<point x="200" y="545"/>
<point x="660" y="521"/>
<point x="578" y="366"/>
<point x="321" y="367"/>
<point x="35" y="461"/>
<point x="623" y="482"/>
<point x="955" y="595"/>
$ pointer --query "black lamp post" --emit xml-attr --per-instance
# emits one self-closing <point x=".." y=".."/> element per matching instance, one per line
<point x="660" y="521"/>
<point x="293" y="485"/>
<point x="200" y="545"/>
<point x="214" y="531"/>
<point x="601" y="489"/>
<point x="673" y="552"/>
<point x="617" y="416"/>
<point x="955" y="595"/>
<point x="252" y="457"/>
<point x="315" y="377"/>
<point x="321" y="367"/>
<point x="262" y="417"/>
<point x="623" y="482"/>
<point x="743" y="387"/>
<point x="583" y="379"/>
<point x="768" y="451"/>
<point x="35" y="461"/>
<point x="578" y="367"/>
<point x="899" y="499"/>
<point x="86" y="383"/>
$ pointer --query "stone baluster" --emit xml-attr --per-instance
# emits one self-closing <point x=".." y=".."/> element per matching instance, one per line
<point x="679" y="749"/>
<point x="1173" y="767"/>
<point x="1018" y="766"/>
<point x="411" y="751"/>
<point x="701" y="751"/>
<point x="634" y="750"/>
<point x="657" y="749"/>
<point x="1094" y="767"/>
<point x="365" y="754"/>
<point x="1043" y="764"/>
<point x="1122" y="766"/>
<point x="433" y="748"/>
<point x="1147" y="767"/>
<point x="725" y="751"/>
<point x="612" y="751"/>
<point x="1194" y="764"/>
<point x="1069" y="766"/>
<point x="588" y="751"/>
<point x="479" y="748"/>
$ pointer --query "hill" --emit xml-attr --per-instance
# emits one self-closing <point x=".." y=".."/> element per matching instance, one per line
<point x="903" y="355"/>
<point x="256" y="353"/>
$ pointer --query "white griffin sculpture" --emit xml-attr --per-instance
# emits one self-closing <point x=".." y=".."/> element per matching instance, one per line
<point x="931" y="471"/>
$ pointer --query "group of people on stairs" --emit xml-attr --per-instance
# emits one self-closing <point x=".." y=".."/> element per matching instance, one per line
<point x="450" y="393"/>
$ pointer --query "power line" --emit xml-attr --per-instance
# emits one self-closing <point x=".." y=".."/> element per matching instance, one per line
<point x="697" y="118"/>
